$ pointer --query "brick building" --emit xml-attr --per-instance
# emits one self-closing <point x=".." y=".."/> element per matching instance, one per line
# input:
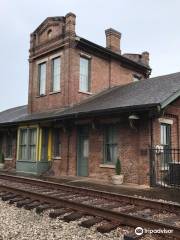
<point x="87" y="106"/>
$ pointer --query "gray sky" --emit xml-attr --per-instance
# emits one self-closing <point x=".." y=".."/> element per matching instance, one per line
<point x="144" y="24"/>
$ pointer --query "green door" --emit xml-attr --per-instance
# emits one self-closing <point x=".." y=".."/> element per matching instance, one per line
<point x="83" y="152"/>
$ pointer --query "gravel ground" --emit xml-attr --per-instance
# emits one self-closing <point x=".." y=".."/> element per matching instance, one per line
<point x="20" y="224"/>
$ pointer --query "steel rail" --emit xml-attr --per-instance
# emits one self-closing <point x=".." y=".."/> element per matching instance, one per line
<point x="121" y="218"/>
<point x="104" y="194"/>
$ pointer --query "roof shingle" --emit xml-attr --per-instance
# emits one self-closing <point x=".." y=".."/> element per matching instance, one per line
<point x="153" y="91"/>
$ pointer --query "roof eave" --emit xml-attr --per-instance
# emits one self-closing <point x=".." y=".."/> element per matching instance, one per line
<point x="170" y="99"/>
<point x="86" y="114"/>
<point x="94" y="46"/>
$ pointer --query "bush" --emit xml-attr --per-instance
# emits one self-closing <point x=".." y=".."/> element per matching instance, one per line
<point x="118" y="167"/>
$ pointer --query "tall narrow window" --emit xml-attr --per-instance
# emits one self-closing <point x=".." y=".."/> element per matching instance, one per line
<point x="32" y="144"/>
<point x="84" y="75"/>
<point x="9" y="145"/>
<point x="56" y="62"/>
<point x="42" y="78"/>
<point x="56" y="143"/>
<point x="166" y="142"/>
<point x="23" y="144"/>
<point x="110" y="144"/>
<point x="27" y="144"/>
<point x="44" y="150"/>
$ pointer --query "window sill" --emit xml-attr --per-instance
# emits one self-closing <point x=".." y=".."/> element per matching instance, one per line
<point x="89" y="93"/>
<point x="107" y="166"/>
<point x="39" y="96"/>
<point x="55" y="92"/>
<point x="8" y="159"/>
<point x="27" y="161"/>
<point x="56" y="158"/>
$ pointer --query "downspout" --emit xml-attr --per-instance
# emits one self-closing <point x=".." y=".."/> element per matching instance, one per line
<point x="151" y="133"/>
<point x="151" y="157"/>
<point x="178" y="135"/>
<point x="109" y="73"/>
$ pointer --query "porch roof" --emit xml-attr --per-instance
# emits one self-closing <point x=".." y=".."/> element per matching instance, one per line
<point x="158" y="91"/>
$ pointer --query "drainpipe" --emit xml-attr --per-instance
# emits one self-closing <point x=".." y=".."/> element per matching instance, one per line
<point x="151" y="156"/>
<point x="178" y="136"/>
<point x="151" y="133"/>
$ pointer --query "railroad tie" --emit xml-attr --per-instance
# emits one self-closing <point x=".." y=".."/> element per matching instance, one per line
<point x="145" y="213"/>
<point x="8" y="197"/>
<point x="171" y="220"/>
<point x="58" y="212"/>
<point x="107" y="227"/>
<point x="32" y="205"/>
<point x="2" y="193"/>
<point x="73" y="216"/>
<point x="90" y="222"/>
<point x="17" y="199"/>
<point x="42" y="208"/>
<point x="111" y="205"/>
<point x="24" y="202"/>
<point x="6" y="194"/>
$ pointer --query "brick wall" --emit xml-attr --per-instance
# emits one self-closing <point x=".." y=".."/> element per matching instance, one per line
<point x="105" y="72"/>
<point x="133" y="148"/>
<point x="172" y="112"/>
<point x="131" y="142"/>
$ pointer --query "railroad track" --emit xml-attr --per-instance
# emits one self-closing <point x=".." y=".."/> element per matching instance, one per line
<point x="108" y="209"/>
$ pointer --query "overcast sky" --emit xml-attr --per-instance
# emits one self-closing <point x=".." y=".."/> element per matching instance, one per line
<point x="146" y="25"/>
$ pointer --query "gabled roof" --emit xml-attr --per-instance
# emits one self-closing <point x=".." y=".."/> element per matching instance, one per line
<point x="47" y="21"/>
<point x="158" y="91"/>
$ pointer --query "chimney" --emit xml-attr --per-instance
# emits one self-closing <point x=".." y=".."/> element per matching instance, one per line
<point x="70" y="22"/>
<point x="113" y="40"/>
<point x="145" y="58"/>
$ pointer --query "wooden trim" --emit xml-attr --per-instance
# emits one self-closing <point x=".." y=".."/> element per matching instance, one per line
<point x="44" y="60"/>
<point x="166" y="121"/>
<point x="55" y="56"/>
<point x="85" y="55"/>
<point x="40" y="144"/>
<point x="50" y="145"/>
<point x="18" y="139"/>
<point x="107" y="166"/>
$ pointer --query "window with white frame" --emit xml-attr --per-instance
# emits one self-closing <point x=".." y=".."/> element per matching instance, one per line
<point x="56" y="72"/>
<point x="44" y="146"/>
<point x="27" y="144"/>
<point x="166" y="142"/>
<point x="42" y="78"/>
<point x="84" y="84"/>
<point x="110" y="144"/>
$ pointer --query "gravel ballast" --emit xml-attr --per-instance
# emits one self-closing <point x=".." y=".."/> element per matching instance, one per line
<point x="20" y="224"/>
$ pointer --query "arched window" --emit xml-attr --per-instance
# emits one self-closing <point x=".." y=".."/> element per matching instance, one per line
<point x="49" y="33"/>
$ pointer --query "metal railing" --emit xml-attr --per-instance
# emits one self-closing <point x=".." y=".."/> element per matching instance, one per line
<point x="165" y="167"/>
